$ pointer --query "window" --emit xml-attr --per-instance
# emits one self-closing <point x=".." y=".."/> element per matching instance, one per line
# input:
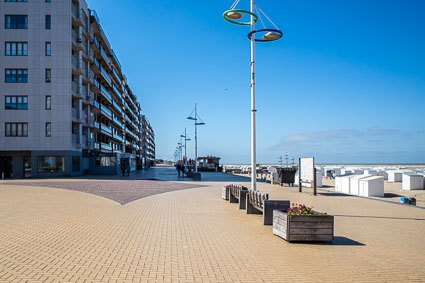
<point x="48" y="75"/>
<point x="16" y="21"/>
<point x="16" y="75"/>
<point x="16" y="48"/>
<point x="48" y="49"/>
<point x="48" y="129"/>
<point x="48" y="21"/>
<point x="75" y="164"/>
<point x="50" y="164"/>
<point x="15" y="0"/>
<point x="47" y="1"/>
<point x="48" y="102"/>
<point x="16" y="129"/>
<point x="16" y="103"/>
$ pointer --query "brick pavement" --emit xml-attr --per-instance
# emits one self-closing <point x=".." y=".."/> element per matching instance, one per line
<point x="192" y="235"/>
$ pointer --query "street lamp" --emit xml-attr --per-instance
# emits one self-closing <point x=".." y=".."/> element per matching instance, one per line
<point x="185" y="140"/>
<point x="196" y="118"/>
<point x="234" y="16"/>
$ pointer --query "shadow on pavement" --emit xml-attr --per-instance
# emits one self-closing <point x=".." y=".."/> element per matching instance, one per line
<point x="343" y="241"/>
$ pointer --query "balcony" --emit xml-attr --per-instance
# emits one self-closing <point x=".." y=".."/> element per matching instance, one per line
<point x="116" y="78"/>
<point x="96" y="106"/>
<point x="76" y="90"/>
<point x="89" y="121"/>
<point x="118" y="137"/>
<point x="105" y="76"/>
<point x="107" y="130"/>
<point x="77" y="41"/>
<point x="117" y="107"/>
<point x="105" y="111"/>
<point x="96" y="126"/>
<point x="88" y="55"/>
<point x="105" y="147"/>
<point x="117" y="91"/>
<point x="77" y="66"/>
<point x="76" y="116"/>
<point x="104" y="56"/>
<point x="87" y="142"/>
<point x="118" y="122"/>
<point x="77" y="16"/>
<point x="76" y="142"/>
<point x="95" y="66"/>
<point x="96" y="146"/>
<point x="88" y="77"/>
<point x="106" y="94"/>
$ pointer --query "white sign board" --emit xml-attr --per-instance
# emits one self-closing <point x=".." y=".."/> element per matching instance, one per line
<point x="307" y="168"/>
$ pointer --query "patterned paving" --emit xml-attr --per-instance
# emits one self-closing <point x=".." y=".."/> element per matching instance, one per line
<point x="122" y="191"/>
<point x="192" y="235"/>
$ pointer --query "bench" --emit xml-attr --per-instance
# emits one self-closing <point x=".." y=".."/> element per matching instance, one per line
<point x="237" y="194"/>
<point x="259" y="203"/>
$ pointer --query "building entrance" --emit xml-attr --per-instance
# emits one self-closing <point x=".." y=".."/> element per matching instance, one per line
<point x="6" y="165"/>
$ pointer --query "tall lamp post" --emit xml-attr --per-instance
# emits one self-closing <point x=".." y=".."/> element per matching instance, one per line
<point x="233" y="16"/>
<point x="196" y="123"/>
<point x="185" y="140"/>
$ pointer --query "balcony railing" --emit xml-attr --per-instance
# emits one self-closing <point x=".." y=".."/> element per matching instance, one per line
<point x="103" y="52"/>
<point x="105" y="147"/>
<point x="114" y="87"/>
<point x="106" y="111"/>
<point x="76" y="114"/>
<point x="105" y="93"/>
<point x="76" y="88"/>
<point x="105" y="73"/>
<point x="77" y="38"/>
<point x="106" y="129"/>
<point x="76" y="139"/>
<point x="96" y="104"/>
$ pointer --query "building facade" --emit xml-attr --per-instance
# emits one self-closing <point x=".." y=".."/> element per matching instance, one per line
<point x="65" y="105"/>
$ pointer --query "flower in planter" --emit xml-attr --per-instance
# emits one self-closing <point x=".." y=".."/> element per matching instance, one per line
<point x="228" y="186"/>
<point x="301" y="209"/>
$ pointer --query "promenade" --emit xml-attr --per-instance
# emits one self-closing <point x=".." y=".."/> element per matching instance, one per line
<point x="156" y="227"/>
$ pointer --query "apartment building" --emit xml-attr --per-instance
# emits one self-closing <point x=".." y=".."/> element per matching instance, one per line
<point x="65" y="105"/>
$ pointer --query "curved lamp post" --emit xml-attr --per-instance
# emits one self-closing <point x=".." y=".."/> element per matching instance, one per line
<point x="232" y="16"/>
<point x="196" y="118"/>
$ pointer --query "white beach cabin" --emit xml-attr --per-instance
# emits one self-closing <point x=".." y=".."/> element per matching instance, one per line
<point x="412" y="181"/>
<point x="355" y="183"/>
<point x="372" y="187"/>
<point x="394" y="176"/>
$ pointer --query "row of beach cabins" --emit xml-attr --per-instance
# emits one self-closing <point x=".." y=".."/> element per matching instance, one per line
<point x="360" y="181"/>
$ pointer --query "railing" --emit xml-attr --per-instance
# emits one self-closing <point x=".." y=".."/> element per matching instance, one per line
<point x="96" y="104"/>
<point x="114" y="87"/>
<point x="76" y="139"/>
<point x="106" y="111"/>
<point x="116" y="59"/>
<point x="105" y="73"/>
<point x="118" y="122"/>
<point x="118" y="137"/>
<point x="76" y="37"/>
<point x="105" y="128"/>
<point x="105" y="92"/>
<point x="76" y="88"/>
<point x="76" y="11"/>
<point x="96" y="145"/>
<point x="104" y="146"/>
<point x="117" y="106"/>
<point x="96" y="125"/>
<point x="103" y="52"/>
<point x="75" y="113"/>
<point x="76" y="63"/>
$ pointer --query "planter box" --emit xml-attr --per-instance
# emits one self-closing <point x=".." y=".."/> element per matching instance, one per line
<point x="303" y="228"/>
<point x="225" y="193"/>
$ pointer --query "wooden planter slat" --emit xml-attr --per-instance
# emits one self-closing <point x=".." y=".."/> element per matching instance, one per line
<point x="303" y="227"/>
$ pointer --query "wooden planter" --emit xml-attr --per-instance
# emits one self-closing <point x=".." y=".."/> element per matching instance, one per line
<point x="303" y="228"/>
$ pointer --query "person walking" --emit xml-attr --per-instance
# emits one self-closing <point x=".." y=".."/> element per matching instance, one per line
<point x="183" y="170"/>
<point x="178" y="167"/>
<point x="123" y="168"/>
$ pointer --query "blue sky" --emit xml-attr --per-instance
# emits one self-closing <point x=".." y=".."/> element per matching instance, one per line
<point x="346" y="83"/>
